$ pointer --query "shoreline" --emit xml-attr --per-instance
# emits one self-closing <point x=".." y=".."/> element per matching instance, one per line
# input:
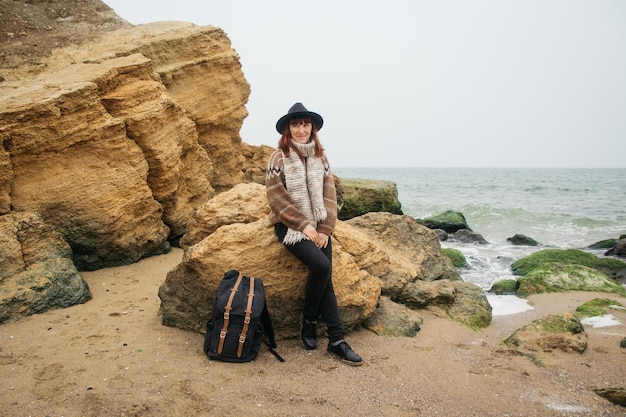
<point x="112" y="356"/>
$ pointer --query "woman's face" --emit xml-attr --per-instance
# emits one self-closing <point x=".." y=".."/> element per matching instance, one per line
<point x="300" y="130"/>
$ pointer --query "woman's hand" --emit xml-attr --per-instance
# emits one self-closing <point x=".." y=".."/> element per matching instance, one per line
<point x="322" y="240"/>
<point x="310" y="232"/>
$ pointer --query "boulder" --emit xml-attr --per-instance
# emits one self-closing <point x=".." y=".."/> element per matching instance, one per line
<point x="422" y="294"/>
<point x="504" y="287"/>
<point x="410" y="250"/>
<point x="610" y="267"/>
<point x="442" y="235"/>
<point x="36" y="269"/>
<point x="468" y="236"/>
<point x="362" y="196"/>
<point x="470" y="306"/>
<point x="450" y="221"/>
<point x="407" y="257"/>
<point x="557" y="277"/>
<point x="598" y="307"/>
<point x="244" y="203"/>
<point x="522" y="240"/>
<point x="603" y="244"/>
<point x="618" y="250"/>
<point x="393" y="319"/>
<point x="555" y="332"/>
<point x="188" y="291"/>
<point x="456" y="256"/>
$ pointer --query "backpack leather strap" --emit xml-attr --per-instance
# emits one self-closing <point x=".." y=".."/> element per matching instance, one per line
<point x="229" y="306"/>
<point x="246" y="320"/>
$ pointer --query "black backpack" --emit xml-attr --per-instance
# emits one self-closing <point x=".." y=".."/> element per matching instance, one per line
<point x="239" y="319"/>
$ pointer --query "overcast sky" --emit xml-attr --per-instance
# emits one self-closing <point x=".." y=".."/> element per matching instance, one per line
<point x="491" y="83"/>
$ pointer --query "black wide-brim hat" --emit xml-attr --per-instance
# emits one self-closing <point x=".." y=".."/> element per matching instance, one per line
<point x="299" y="111"/>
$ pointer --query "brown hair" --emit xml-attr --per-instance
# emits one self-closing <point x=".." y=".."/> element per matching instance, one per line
<point x="284" y="143"/>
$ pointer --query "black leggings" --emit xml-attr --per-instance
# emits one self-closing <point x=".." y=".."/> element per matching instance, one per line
<point x="319" y="295"/>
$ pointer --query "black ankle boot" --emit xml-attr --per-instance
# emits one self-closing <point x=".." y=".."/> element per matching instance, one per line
<point x="309" y="334"/>
<point x="343" y="351"/>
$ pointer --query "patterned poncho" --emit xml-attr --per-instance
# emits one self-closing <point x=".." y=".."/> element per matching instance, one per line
<point x="301" y="191"/>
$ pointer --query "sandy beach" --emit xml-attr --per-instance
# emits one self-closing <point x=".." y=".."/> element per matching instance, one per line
<point x="113" y="357"/>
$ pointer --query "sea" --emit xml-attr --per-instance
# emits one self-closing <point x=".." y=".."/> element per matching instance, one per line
<point x="558" y="207"/>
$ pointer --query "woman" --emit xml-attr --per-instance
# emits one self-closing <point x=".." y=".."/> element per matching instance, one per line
<point x="301" y="194"/>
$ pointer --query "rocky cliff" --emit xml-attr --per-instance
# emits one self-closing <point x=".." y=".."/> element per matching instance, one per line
<point x="116" y="143"/>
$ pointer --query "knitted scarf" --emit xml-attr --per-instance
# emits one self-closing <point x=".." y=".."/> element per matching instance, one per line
<point x="304" y="180"/>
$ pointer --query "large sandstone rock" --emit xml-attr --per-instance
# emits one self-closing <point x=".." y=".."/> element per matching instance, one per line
<point x="115" y="144"/>
<point x="378" y="252"/>
<point x="188" y="291"/>
<point x="200" y="71"/>
<point x="36" y="269"/>
<point x="409" y="246"/>
<point x="73" y="163"/>
<point x="244" y="203"/>
<point x="407" y="257"/>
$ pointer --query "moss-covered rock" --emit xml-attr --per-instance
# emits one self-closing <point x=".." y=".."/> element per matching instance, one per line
<point x="562" y="332"/>
<point x="557" y="277"/>
<point x="604" y="244"/>
<point x="450" y="221"/>
<point x="461" y="301"/>
<point x="597" y="307"/>
<point x="471" y="306"/>
<point x="504" y="287"/>
<point x="608" y="266"/>
<point x="362" y="196"/>
<point x="456" y="256"/>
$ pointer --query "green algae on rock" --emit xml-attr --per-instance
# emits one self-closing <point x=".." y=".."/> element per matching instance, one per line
<point x="567" y="256"/>
<point x="557" y="277"/>
<point x="456" y="256"/>
<point x="597" y="307"/>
